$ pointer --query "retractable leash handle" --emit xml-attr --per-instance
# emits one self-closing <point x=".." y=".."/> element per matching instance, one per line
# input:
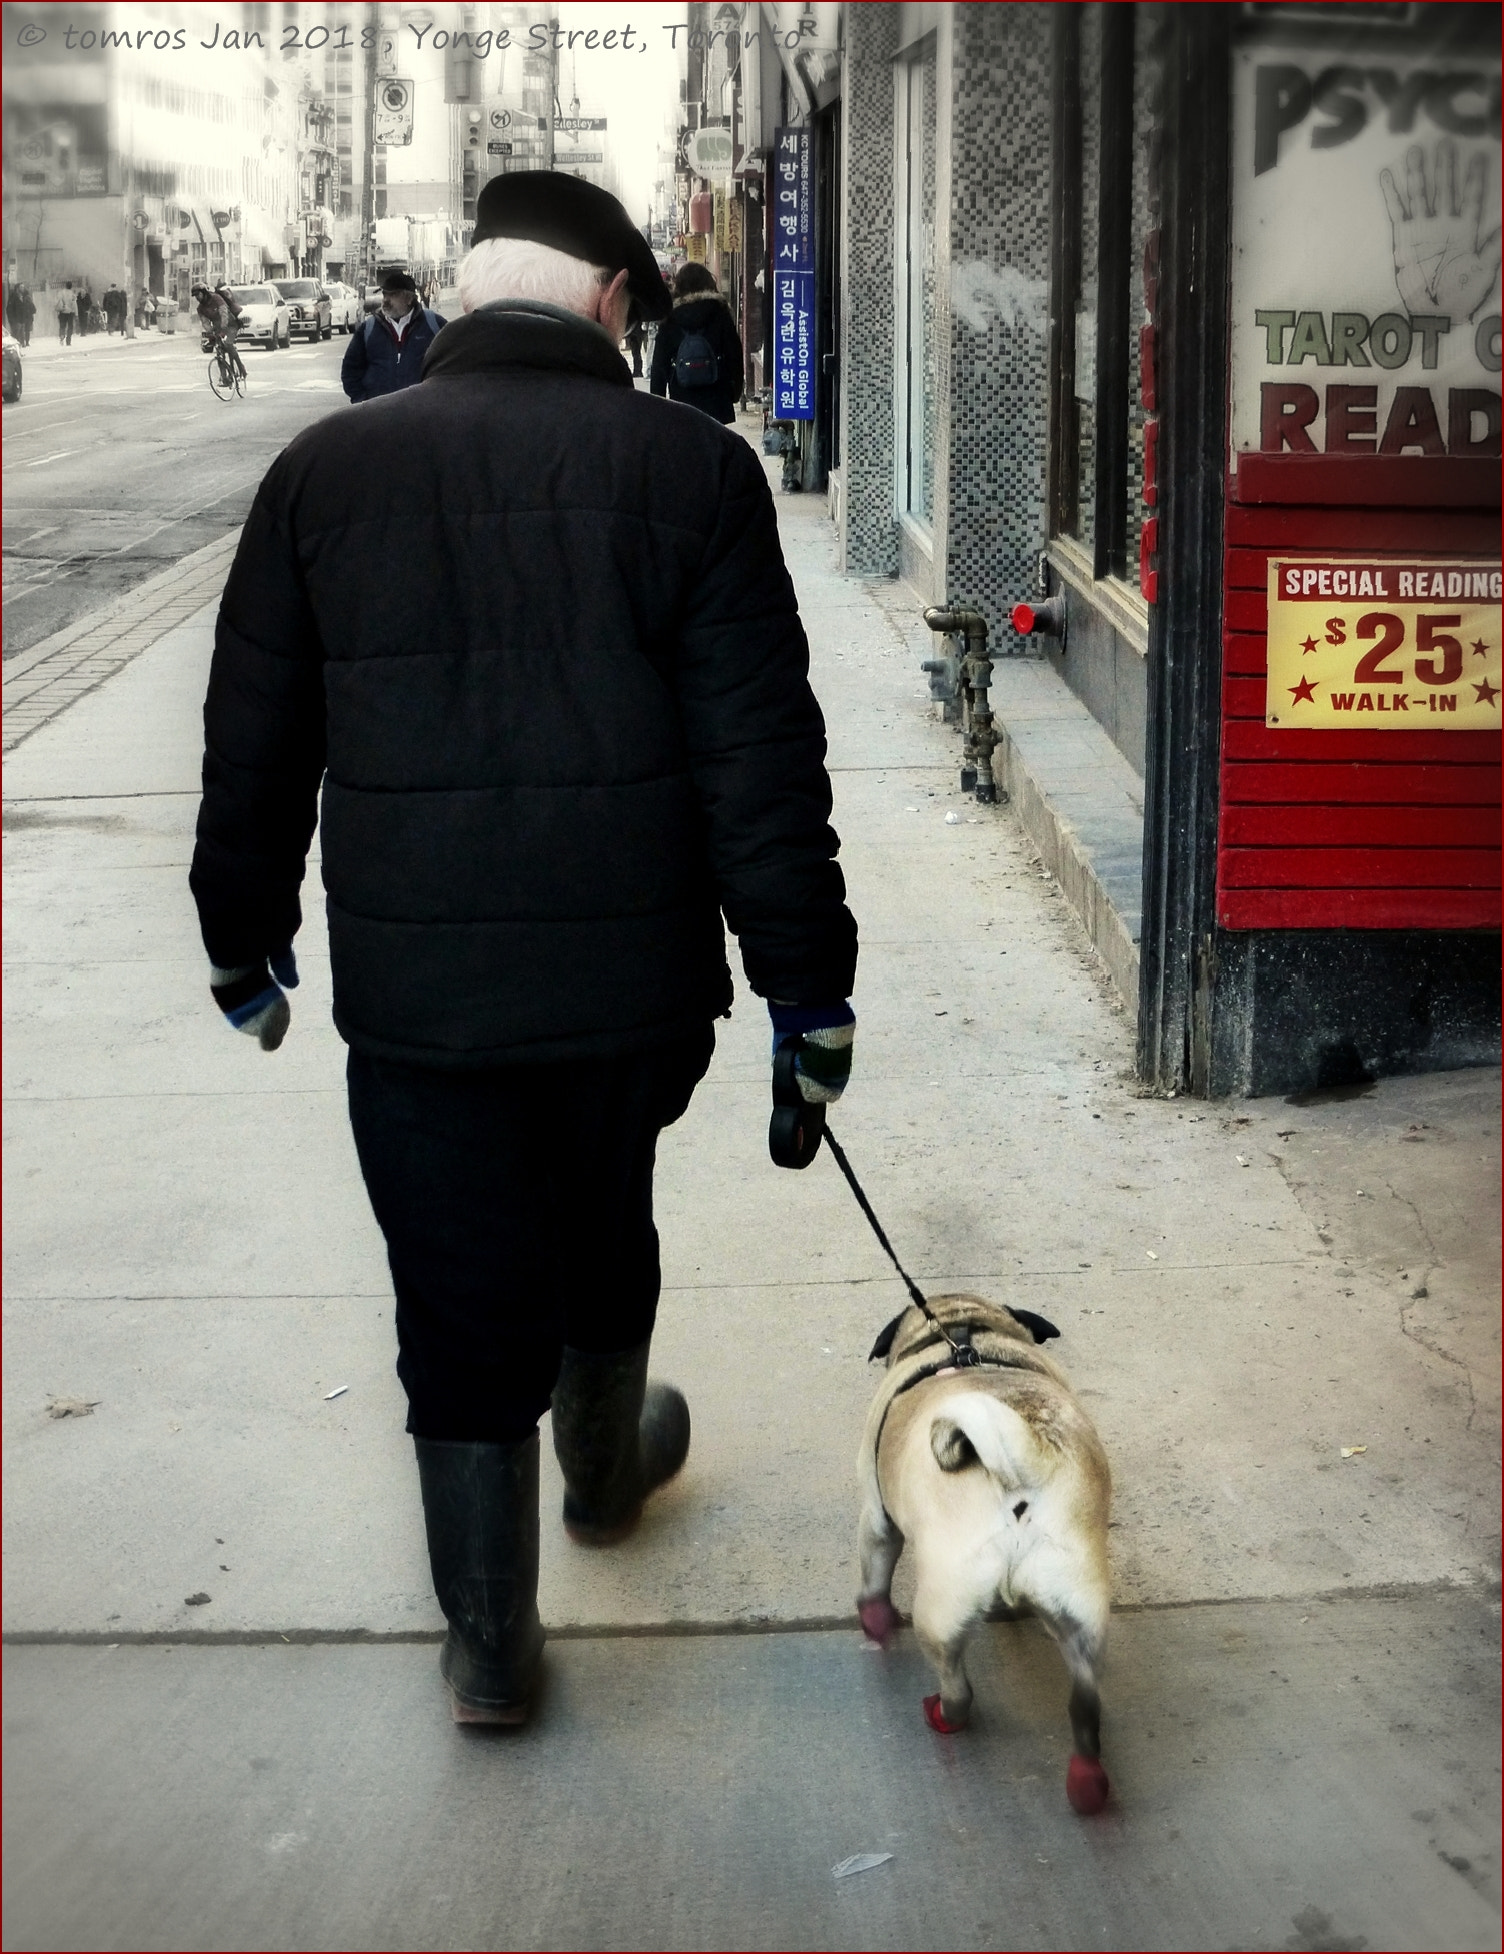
<point x="797" y="1127"/>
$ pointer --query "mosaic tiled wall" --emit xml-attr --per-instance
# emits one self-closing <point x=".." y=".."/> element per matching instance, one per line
<point x="999" y="251"/>
<point x="869" y="529"/>
<point x="991" y="314"/>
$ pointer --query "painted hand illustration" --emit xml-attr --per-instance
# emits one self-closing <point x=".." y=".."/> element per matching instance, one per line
<point x="1442" y="261"/>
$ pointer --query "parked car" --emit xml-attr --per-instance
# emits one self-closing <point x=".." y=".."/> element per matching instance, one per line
<point x="265" y="316"/>
<point x="10" y="366"/>
<point x="345" y="310"/>
<point x="307" y="306"/>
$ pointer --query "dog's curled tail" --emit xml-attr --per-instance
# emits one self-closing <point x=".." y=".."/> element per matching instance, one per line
<point x="973" y="1427"/>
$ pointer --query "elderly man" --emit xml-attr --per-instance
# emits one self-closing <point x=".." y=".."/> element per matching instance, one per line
<point x="386" y="351"/>
<point x="533" y="632"/>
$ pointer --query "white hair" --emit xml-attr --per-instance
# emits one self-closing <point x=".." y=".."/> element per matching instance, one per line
<point x="517" y="268"/>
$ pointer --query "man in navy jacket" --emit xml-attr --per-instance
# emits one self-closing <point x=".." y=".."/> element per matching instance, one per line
<point x="386" y="352"/>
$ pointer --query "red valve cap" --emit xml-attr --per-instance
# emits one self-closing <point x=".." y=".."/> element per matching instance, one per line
<point x="1046" y="615"/>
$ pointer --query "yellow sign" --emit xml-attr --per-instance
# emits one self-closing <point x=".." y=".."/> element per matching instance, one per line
<point x="728" y="220"/>
<point x="1359" y="644"/>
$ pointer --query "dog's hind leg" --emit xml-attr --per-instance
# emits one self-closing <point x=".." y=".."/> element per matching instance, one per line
<point x="1086" y="1783"/>
<point x="879" y="1543"/>
<point x="943" y="1632"/>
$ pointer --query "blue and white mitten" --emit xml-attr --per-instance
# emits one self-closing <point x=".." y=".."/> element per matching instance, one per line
<point x="822" y="1065"/>
<point x="252" y="996"/>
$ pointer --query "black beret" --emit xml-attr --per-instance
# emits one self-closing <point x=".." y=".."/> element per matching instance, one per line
<point x="578" y="218"/>
<point x="397" y="281"/>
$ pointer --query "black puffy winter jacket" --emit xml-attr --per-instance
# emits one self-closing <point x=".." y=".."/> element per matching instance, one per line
<point x="533" y="631"/>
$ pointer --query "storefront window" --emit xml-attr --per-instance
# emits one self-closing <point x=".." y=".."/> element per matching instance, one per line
<point x="1149" y="26"/>
<point x="1105" y="215"/>
<point x="1089" y="67"/>
<point x="917" y="351"/>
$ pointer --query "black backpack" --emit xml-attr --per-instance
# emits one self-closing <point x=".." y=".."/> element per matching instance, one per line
<point x="695" y="363"/>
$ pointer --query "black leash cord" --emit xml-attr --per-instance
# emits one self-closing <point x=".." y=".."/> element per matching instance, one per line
<point x="964" y="1353"/>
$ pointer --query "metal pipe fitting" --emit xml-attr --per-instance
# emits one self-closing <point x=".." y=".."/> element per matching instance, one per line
<point x="974" y="676"/>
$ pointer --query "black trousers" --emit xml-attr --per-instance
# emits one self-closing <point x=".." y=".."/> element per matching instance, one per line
<point x="517" y="1206"/>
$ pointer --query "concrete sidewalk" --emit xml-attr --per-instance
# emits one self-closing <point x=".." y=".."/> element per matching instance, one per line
<point x="1244" y="1291"/>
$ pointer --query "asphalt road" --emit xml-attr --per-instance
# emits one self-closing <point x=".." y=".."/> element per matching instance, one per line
<point x="118" y="460"/>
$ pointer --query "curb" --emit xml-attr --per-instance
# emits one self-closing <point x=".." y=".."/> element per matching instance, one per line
<point x="47" y="678"/>
<point x="1069" y="861"/>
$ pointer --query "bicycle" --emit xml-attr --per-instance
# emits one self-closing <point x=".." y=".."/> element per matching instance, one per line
<point x="227" y="374"/>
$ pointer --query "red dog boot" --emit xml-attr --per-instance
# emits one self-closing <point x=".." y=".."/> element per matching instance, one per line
<point x="936" y="1718"/>
<point x="879" y="1618"/>
<point x="1086" y="1785"/>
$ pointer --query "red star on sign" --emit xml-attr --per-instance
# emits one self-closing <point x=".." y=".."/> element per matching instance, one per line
<point x="1302" y="691"/>
<point x="1308" y="644"/>
<point x="1486" y="693"/>
<point x="1480" y="649"/>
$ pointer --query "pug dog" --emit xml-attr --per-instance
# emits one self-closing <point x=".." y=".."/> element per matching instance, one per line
<point x="988" y="1467"/>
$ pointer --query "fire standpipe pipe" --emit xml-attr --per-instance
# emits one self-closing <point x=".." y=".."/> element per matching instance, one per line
<point x="969" y="677"/>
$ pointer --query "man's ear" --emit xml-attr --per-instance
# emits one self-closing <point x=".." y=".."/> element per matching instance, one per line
<point x="608" y="297"/>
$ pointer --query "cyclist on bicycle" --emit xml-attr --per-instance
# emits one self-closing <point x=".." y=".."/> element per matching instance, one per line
<point x="219" y="321"/>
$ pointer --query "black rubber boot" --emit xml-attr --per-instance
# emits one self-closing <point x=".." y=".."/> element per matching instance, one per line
<point x="480" y="1507"/>
<point x="617" y="1439"/>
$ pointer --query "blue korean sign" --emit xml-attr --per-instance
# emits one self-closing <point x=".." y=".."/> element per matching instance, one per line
<point x="793" y="201"/>
<point x="793" y="276"/>
<point x="793" y="345"/>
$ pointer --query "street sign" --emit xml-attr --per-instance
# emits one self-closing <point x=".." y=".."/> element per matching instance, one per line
<point x="386" y="54"/>
<point x="793" y="201"/>
<point x="573" y="124"/>
<point x="498" y="149"/>
<point x="710" y="152"/>
<point x="394" y="111"/>
<point x="794" y="345"/>
<point x="501" y="118"/>
<point x="793" y="276"/>
<point x="564" y="157"/>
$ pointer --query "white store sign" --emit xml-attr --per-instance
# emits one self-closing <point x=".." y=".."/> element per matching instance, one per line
<point x="710" y="152"/>
<point x="1365" y="275"/>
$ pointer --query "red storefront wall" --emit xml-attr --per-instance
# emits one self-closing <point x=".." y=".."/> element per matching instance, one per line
<point x="1326" y="830"/>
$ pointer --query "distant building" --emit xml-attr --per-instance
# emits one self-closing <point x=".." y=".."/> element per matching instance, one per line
<point x="136" y="154"/>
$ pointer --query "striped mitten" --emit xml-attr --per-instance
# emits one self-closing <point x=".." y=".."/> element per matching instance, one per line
<point x="822" y="1064"/>
<point x="252" y="996"/>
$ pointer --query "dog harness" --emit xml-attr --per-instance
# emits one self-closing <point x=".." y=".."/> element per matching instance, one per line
<point x="948" y="1365"/>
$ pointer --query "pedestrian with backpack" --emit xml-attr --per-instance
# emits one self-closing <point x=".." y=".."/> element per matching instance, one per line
<point x="698" y="354"/>
<point x="385" y="353"/>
